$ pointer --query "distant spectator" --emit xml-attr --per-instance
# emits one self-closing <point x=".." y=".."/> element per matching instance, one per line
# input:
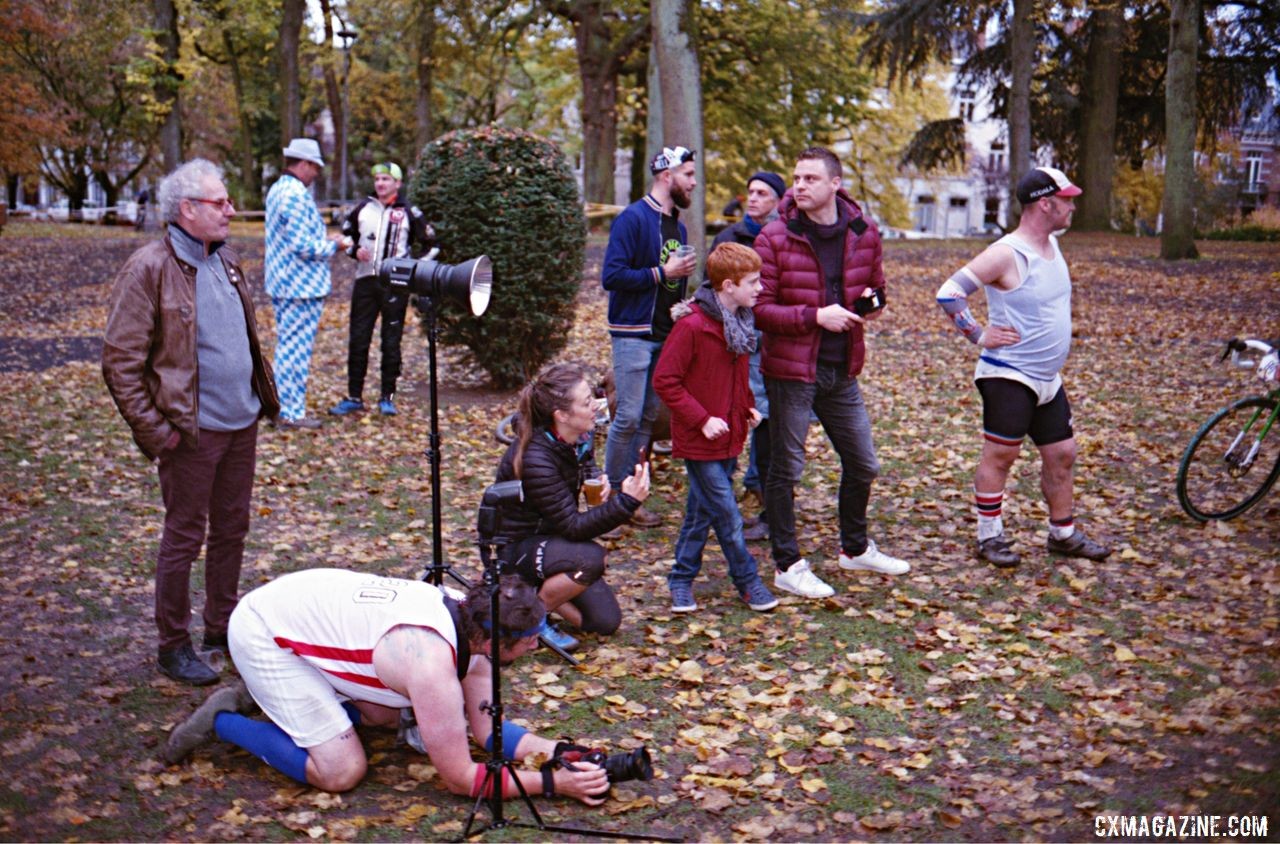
<point x="381" y="226"/>
<point x="297" y="275"/>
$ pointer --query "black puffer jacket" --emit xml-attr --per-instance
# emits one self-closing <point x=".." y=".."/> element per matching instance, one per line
<point x="552" y="477"/>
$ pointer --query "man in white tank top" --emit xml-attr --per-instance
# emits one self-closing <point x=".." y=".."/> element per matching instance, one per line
<point x="1028" y="292"/>
<point x="322" y="651"/>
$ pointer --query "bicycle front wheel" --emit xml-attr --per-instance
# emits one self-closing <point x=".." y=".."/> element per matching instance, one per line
<point x="1221" y="475"/>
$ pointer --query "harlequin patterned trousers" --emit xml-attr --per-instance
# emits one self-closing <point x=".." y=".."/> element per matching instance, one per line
<point x="296" y="324"/>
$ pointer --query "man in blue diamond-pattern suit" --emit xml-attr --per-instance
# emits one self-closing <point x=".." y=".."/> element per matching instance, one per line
<point x="297" y="275"/>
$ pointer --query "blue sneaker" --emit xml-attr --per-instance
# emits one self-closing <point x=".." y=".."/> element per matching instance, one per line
<point x="682" y="598"/>
<point x="387" y="406"/>
<point x="758" y="596"/>
<point x="347" y="406"/>
<point x="553" y="636"/>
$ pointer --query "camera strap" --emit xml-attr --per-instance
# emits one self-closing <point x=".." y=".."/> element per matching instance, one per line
<point x="463" y="646"/>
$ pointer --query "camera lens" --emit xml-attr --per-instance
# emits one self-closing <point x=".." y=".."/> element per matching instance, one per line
<point x="623" y="767"/>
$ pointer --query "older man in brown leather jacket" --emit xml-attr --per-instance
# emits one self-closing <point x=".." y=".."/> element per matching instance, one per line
<point x="182" y="361"/>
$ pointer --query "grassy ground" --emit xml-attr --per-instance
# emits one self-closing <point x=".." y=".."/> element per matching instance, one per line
<point x="956" y="702"/>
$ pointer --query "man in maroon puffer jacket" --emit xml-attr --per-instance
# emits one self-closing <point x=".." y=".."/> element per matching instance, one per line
<point x="820" y="257"/>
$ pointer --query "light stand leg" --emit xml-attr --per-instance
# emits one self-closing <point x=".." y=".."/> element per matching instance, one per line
<point x="438" y="568"/>
<point x="491" y="788"/>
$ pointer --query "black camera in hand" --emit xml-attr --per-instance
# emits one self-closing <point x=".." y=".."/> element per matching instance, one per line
<point x="618" y="767"/>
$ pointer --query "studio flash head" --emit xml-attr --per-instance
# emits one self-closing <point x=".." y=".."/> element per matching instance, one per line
<point x="469" y="283"/>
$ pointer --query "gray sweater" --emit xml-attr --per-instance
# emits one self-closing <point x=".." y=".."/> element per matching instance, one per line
<point x="224" y="365"/>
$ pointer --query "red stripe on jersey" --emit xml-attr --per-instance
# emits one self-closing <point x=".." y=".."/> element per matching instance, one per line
<point x="326" y="651"/>
<point x="359" y="679"/>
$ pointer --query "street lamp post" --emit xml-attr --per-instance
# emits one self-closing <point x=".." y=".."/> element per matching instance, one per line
<point x="348" y="37"/>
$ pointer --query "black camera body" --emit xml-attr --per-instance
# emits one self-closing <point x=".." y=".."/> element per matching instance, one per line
<point x="864" y="304"/>
<point x="618" y="767"/>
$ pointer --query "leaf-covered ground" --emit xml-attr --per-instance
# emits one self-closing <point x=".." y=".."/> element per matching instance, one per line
<point x="955" y="703"/>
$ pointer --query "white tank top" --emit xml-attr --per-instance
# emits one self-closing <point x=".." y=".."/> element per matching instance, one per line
<point x="333" y="618"/>
<point x="1039" y="308"/>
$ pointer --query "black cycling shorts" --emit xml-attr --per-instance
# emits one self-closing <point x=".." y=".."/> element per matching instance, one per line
<point x="1010" y="413"/>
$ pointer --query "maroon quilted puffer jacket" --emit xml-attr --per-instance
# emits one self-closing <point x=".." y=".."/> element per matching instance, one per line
<point x="792" y="290"/>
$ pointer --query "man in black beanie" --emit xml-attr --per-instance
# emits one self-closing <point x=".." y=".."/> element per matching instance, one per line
<point x="764" y="190"/>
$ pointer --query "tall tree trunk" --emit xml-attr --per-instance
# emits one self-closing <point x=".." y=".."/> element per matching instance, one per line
<point x="335" y="177"/>
<point x="681" y="85"/>
<point x="1177" y="240"/>
<point x="166" y="27"/>
<point x="599" y="72"/>
<point x="250" y="173"/>
<point x="1098" y="116"/>
<point x="426" y="45"/>
<point x="292" y="13"/>
<point x="653" y="116"/>
<point x="1022" y="52"/>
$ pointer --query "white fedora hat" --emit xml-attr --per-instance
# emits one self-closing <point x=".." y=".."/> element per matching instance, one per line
<point x="306" y="149"/>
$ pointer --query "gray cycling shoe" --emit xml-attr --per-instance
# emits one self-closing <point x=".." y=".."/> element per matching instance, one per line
<point x="1078" y="545"/>
<point x="198" y="728"/>
<point x="998" y="551"/>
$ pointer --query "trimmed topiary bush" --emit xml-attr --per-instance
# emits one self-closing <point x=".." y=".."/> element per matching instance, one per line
<point x="510" y="195"/>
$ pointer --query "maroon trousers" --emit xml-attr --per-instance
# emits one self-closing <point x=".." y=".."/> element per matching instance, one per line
<point x="206" y="487"/>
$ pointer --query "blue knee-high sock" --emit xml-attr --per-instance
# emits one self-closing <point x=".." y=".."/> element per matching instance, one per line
<point x="264" y="740"/>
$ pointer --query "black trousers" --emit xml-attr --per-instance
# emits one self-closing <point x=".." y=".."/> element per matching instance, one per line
<point x="369" y="300"/>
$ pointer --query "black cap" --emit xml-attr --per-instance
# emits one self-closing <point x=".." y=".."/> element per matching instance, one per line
<point x="773" y="180"/>
<point x="1045" y="181"/>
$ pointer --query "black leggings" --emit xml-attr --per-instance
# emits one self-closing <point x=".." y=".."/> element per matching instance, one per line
<point x="537" y="558"/>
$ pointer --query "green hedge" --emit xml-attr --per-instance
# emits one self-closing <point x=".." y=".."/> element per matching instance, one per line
<point x="510" y="195"/>
<point x="1255" y="233"/>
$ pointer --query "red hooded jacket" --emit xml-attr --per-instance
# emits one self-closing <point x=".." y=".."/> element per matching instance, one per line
<point x="793" y="289"/>
<point x="698" y="377"/>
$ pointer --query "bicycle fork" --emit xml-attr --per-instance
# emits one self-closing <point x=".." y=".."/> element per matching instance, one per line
<point x="1240" y="465"/>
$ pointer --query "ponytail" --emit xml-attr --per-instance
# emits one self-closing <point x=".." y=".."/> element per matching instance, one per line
<point x="539" y="400"/>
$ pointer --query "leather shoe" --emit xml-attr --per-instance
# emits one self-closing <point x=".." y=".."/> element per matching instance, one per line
<point x="183" y="665"/>
<point x="643" y="518"/>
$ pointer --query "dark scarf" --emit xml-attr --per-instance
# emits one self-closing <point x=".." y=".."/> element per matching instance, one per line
<point x="739" y="328"/>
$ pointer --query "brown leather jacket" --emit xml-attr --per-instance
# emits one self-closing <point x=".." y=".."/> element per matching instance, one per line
<point x="149" y="352"/>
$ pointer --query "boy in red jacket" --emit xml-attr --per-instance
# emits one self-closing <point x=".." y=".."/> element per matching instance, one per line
<point x="702" y="377"/>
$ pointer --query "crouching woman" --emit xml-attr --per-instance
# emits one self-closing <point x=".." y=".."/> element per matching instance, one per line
<point x="552" y="545"/>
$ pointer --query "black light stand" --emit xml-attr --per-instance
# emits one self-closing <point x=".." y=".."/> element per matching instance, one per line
<point x="489" y="528"/>
<point x="439" y="568"/>
<point x="432" y="281"/>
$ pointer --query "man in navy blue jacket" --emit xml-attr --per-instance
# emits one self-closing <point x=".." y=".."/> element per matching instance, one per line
<point x="644" y="278"/>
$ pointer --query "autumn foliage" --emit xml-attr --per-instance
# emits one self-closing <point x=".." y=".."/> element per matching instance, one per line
<point x="955" y="703"/>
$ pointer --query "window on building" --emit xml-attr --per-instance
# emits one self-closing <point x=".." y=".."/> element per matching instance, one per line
<point x="959" y="202"/>
<point x="991" y="213"/>
<point x="1253" y="171"/>
<point x="924" y="213"/>
<point x="996" y="158"/>
<point x="967" y="97"/>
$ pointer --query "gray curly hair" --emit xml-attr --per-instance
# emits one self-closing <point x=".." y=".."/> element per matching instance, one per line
<point x="184" y="183"/>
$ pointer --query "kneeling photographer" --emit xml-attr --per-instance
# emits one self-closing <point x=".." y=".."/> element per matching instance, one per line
<point x="324" y="650"/>
<point x="551" y="543"/>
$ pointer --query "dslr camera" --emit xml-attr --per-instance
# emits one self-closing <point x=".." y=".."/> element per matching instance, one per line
<point x="618" y="767"/>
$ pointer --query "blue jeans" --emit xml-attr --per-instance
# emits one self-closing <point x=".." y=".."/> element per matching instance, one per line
<point x="759" y="447"/>
<point x="837" y="401"/>
<point x="637" y="406"/>
<point x="711" y="505"/>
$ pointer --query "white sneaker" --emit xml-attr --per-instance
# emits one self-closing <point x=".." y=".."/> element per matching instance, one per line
<point x="800" y="580"/>
<point x="873" y="559"/>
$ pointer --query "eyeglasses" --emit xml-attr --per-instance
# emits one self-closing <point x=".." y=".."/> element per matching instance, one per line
<point x="223" y="204"/>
